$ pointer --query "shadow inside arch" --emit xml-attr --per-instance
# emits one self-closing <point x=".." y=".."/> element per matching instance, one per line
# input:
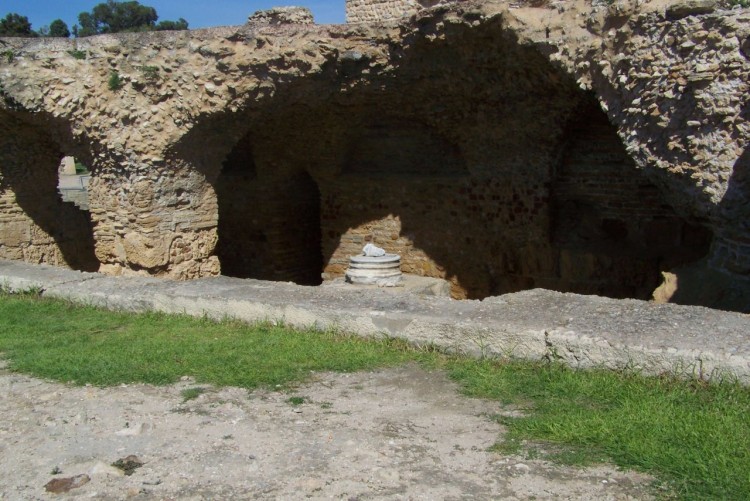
<point x="458" y="162"/>
<point x="40" y="227"/>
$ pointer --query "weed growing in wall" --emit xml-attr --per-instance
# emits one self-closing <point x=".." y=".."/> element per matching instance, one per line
<point x="115" y="82"/>
<point x="150" y="73"/>
<point x="78" y="54"/>
<point x="81" y="169"/>
<point x="9" y="55"/>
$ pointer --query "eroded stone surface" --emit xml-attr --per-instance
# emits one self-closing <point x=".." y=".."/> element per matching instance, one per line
<point x="283" y="15"/>
<point x="238" y="148"/>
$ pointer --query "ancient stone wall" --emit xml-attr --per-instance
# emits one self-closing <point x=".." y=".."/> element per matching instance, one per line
<point x="368" y="11"/>
<point x="675" y="80"/>
<point x="592" y="224"/>
<point x="497" y="146"/>
<point x="154" y="220"/>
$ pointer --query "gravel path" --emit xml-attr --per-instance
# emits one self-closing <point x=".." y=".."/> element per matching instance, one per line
<point x="393" y="434"/>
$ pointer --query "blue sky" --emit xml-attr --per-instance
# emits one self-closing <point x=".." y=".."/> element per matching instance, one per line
<point x="199" y="13"/>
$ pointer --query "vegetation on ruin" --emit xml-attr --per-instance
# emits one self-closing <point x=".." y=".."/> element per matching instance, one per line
<point x="57" y="28"/>
<point x="191" y="393"/>
<point x="81" y="168"/>
<point x="694" y="436"/>
<point x="16" y="25"/>
<point x="150" y="73"/>
<point x="115" y="82"/>
<point x="78" y="54"/>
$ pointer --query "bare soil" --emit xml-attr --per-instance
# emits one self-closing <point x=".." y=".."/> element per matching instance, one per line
<point x="393" y="434"/>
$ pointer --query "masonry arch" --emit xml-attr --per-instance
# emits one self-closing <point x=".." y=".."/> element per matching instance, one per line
<point x="269" y="219"/>
<point x="476" y="160"/>
<point x="613" y="230"/>
<point x="38" y="226"/>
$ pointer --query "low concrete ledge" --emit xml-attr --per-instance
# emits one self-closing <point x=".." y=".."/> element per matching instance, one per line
<point x="580" y="331"/>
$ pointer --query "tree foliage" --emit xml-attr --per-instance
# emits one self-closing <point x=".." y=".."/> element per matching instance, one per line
<point x="58" y="28"/>
<point x="16" y="25"/>
<point x="117" y="17"/>
<point x="180" y="24"/>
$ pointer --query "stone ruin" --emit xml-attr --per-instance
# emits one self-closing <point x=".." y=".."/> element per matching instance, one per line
<point x="368" y="11"/>
<point x="582" y="147"/>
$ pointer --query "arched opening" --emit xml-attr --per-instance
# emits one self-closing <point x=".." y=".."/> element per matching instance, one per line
<point x="242" y="242"/>
<point x="477" y="161"/>
<point x="269" y="221"/>
<point x="298" y="256"/>
<point x="612" y="229"/>
<point x="38" y="226"/>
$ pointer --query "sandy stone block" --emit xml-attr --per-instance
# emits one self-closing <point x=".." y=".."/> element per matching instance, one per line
<point x="11" y="253"/>
<point x="39" y="236"/>
<point x="146" y="252"/>
<point x="43" y="254"/>
<point x="16" y="233"/>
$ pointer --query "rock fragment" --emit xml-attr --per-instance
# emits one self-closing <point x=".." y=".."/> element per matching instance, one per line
<point x="63" y="485"/>
<point x="128" y="464"/>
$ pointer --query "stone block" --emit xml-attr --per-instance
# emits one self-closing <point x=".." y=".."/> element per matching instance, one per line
<point x="686" y="8"/>
<point x="68" y="166"/>
<point x="282" y="15"/>
<point x="15" y="233"/>
<point x="146" y="252"/>
<point x="11" y="253"/>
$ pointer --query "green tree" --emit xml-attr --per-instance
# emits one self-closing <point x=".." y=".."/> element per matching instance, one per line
<point x="116" y="17"/>
<point x="16" y="25"/>
<point x="180" y="24"/>
<point x="88" y="25"/>
<point x="58" y="28"/>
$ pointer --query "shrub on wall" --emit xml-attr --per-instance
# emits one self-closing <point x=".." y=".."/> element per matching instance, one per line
<point x="115" y="82"/>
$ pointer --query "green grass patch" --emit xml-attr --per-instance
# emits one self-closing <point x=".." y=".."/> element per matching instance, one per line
<point x="78" y="54"/>
<point x="115" y="81"/>
<point x="191" y="393"/>
<point x="694" y="437"/>
<point x="295" y="401"/>
<point x="85" y="345"/>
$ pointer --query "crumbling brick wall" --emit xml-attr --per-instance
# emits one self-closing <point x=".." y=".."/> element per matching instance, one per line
<point x="490" y="83"/>
<point x="368" y="11"/>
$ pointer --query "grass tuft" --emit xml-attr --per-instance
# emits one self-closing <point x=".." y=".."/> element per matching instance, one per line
<point x="295" y="401"/>
<point x="191" y="393"/>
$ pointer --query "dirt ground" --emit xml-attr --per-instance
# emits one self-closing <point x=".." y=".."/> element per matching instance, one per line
<point x="393" y="434"/>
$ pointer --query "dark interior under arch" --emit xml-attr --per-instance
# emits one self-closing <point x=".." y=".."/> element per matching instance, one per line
<point x="480" y="163"/>
<point x="39" y="227"/>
